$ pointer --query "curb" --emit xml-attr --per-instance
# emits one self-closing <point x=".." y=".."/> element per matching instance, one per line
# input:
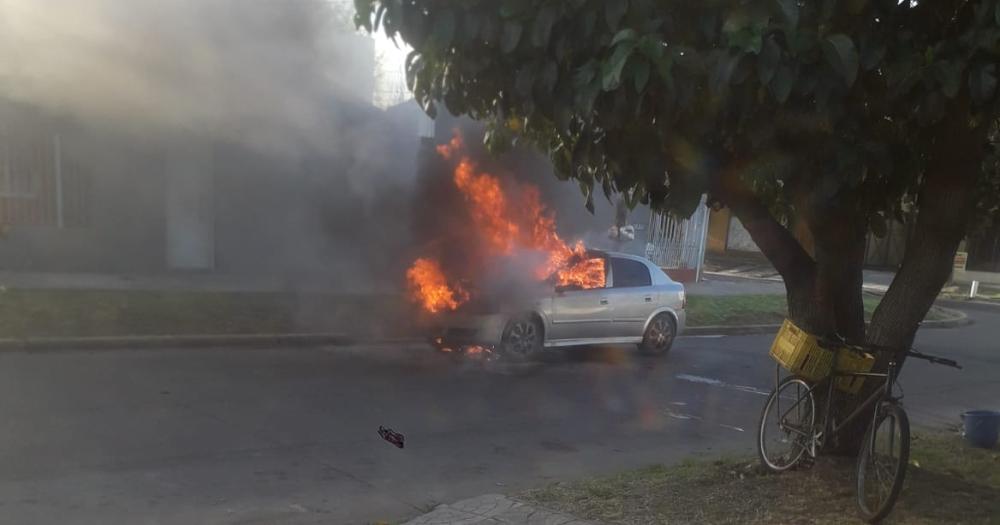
<point x="749" y="329"/>
<point x="981" y="306"/>
<point x="959" y="319"/>
<point x="167" y="341"/>
<point x="336" y="339"/>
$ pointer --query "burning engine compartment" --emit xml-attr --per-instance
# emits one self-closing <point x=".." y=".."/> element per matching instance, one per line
<point x="506" y="251"/>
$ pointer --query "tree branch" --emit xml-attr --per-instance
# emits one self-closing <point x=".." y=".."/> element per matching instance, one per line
<point x="775" y="241"/>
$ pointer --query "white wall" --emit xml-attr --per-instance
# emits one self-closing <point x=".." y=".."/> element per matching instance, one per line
<point x="739" y="237"/>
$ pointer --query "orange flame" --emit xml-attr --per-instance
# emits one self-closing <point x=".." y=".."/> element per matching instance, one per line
<point x="430" y="286"/>
<point x="503" y="223"/>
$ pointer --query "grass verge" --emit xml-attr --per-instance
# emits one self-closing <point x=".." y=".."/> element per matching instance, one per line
<point x="732" y="310"/>
<point x="960" y="292"/>
<point x="81" y="313"/>
<point x="946" y="482"/>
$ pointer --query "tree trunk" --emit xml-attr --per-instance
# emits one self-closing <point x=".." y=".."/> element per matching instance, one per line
<point x="954" y="163"/>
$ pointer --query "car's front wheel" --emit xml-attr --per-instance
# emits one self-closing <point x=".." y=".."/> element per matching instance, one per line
<point x="659" y="336"/>
<point x="522" y="338"/>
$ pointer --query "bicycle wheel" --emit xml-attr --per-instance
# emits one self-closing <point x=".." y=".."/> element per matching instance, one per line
<point x="882" y="462"/>
<point x="786" y="425"/>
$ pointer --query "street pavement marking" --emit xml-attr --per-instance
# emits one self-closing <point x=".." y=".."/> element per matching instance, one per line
<point x="681" y="415"/>
<point x="716" y="382"/>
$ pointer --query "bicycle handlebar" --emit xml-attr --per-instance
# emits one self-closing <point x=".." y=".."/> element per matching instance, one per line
<point x="934" y="359"/>
<point x="834" y="343"/>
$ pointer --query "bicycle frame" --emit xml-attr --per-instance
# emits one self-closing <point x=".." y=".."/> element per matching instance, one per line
<point x="830" y="383"/>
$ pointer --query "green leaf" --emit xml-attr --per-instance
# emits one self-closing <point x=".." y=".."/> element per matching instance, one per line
<point x="549" y="76"/>
<point x="444" y="28"/>
<point x="749" y="39"/>
<point x="490" y="30"/>
<point x="855" y="7"/>
<point x="624" y="34"/>
<point x="542" y="27"/>
<point x="768" y="60"/>
<point x="878" y="225"/>
<point x="510" y="8"/>
<point x="512" y="30"/>
<point x="827" y="9"/>
<point x="903" y="73"/>
<point x="651" y="46"/>
<point x="790" y="10"/>
<point x="983" y="83"/>
<point x="872" y="53"/>
<point x="587" y="23"/>
<point x="584" y="74"/>
<point x="611" y="70"/>
<point x="614" y="10"/>
<point x="725" y="64"/>
<point x="641" y="77"/>
<point x="524" y="81"/>
<point x="781" y="85"/>
<point x="471" y="24"/>
<point x="841" y="54"/>
<point x="378" y="17"/>
<point x="363" y="14"/>
<point x="948" y="73"/>
<point x="663" y="67"/>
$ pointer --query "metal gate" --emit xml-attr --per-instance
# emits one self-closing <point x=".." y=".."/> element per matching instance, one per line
<point x="673" y="242"/>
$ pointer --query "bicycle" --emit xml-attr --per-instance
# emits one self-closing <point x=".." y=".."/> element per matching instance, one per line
<point x="881" y="463"/>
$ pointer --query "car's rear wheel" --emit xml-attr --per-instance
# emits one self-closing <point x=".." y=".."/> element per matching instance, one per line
<point x="659" y="336"/>
<point x="522" y="338"/>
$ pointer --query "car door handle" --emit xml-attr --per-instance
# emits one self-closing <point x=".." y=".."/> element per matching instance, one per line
<point x="604" y="300"/>
<point x="649" y="299"/>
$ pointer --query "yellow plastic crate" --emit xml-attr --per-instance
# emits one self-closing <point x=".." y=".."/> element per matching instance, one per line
<point x="848" y="361"/>
<point x="800" y="354"/>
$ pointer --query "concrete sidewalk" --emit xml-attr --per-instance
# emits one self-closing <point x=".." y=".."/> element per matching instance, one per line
<point x="494" y="509"/>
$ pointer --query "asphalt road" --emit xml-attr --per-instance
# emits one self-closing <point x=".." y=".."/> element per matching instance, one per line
<point x="289" y="435"/>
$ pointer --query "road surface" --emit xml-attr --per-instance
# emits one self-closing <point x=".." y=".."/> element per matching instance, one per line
<point x="289" y="435"/>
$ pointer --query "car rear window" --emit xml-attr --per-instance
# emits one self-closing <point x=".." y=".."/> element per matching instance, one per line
<point x="628" y="273"/>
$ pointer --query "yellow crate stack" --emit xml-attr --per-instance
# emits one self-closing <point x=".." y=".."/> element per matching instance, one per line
<point x="799" y="352"/>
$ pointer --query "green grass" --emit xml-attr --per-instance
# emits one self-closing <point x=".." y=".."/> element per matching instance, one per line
<point x="947" y="482"/>
<point x="71" y="313"/>
<point x="730" y="310"/>
<point x="960" y="292"/>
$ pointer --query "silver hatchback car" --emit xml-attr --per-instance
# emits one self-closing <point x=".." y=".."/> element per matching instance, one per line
<point x="639" y="304"/>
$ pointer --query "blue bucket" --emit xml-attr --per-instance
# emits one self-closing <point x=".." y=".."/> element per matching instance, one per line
<point x="982" y="427"/>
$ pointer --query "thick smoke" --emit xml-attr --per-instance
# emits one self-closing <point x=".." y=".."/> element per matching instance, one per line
<point x="256" y="71"/>
<point x="309" y="179"/>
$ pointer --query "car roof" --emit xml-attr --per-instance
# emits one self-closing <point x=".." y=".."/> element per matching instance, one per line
<point x="620" y="255"/>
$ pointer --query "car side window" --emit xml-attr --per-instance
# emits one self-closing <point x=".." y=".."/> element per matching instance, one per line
<point x="629" y="274"/>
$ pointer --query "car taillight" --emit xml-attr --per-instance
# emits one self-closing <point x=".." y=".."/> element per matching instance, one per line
<point x="684" y="300"/>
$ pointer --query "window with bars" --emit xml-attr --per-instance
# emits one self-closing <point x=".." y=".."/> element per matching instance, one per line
<point x="38" y="187"/>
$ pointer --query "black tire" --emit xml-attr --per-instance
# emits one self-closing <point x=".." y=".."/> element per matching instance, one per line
<point x="523" y="339"/>
<point x="659" y="336"/>
<point x="880" y="472"/>
<point x="787" y="422"/>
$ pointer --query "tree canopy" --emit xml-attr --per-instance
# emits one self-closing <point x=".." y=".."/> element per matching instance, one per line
<point x="835" y="115"/>
<point x="621" y="93"/>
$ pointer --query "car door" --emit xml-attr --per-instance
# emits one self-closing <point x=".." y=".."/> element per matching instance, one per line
<point x="580" y="313"/>
<point x="632" y="296"/>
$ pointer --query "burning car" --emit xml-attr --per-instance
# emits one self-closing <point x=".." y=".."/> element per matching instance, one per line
<point x="637" y="303"/>
<point x="506" y="280"/>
